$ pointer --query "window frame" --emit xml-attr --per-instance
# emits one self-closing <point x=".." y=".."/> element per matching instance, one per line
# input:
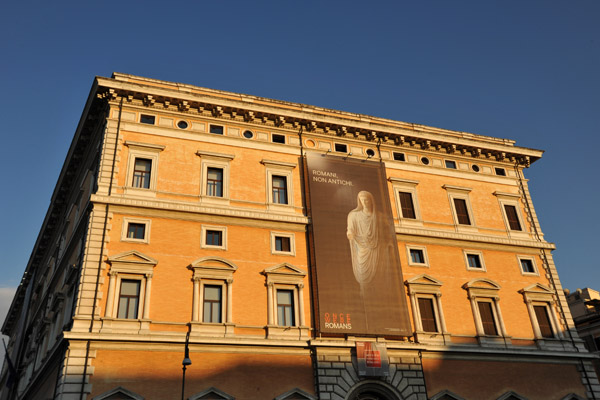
<point x="461" y="193"/>
<point x="216" y="125"/>
<point x="284" y="169"/>
<point x="485" y="290"/>
<point x="512" y="199"/>
<point x="410" y="247"/>
<point x="406" y="186"/>
<point x="218" y="161"/>
<point x="286" y="277"/>
<point x="292" y="305"/>
<point x="147" y="115"/>
<point x="147" y="151"/>
<point x="210" y="283"/>
<point x="290" y="236"/>
<point x="467" y="253"/>
<point x="425" y="286"/>
<point x="541" y="295"/>
<point x="125" y="229"/>
<point x="450" y="162"/>
<point x="213" y="271"/>
<point x="531" y="258"/>
<point x="205" y="229"/>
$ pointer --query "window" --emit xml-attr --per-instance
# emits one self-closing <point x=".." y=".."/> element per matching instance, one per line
<point x="279" y="189"/>
<point x="129" y="298"/>
<point x="370" y="152"/>
<point x="282" y="243"/>
<point x="285" y="301"/>
<point x="141" y="173"/>
<point x="340" y="148"/>
<point x="135" y="230"/>
<point x="214" y="237"/>
<point x="500" y="171"/>
<point x="214" y="177"/>
<point x="450" y="164"/>
<point x="182" y="124"/>
<point x="425" y="160"/>
<point x="475" y="168"/>
<point x="248" y="134"/>
<point x="142" y="168"/>
<point x="417" y="256"/>
<point x="510" y="208"/>
<point x="285" y="307"/>
<point x="485" y="303"/>
<point x="276" y="138"/>
<point x="399" y="156"/>
<point x="279" y="185"/>
<point x="212" y="308"/>
<point x="405" y="193"/>
<point x="474" y="260"/>
<point x="426" y="302"/>
<point x="487" y="318"/>
<point x="540" y="305"/>
<point x="513" y="219"/>
<point x="527" y="264"/>
<point x="129" y="287"/>
<point x="212" y="304"/>
<point x="427" y="314"/>
<point x="147" y="119"/>
<point x="406" y="205"/>
<point x="462" y="214"/>
<point x="216" y="129"/>
<point x="214" y="182"/>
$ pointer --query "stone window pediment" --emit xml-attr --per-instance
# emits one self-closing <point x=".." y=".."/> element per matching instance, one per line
<point x="118" y="393"/>
<point x="212" y="393"/>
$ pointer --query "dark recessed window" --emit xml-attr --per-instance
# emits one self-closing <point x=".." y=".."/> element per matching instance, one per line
<point x="248" y="134"/>
<point x="500" y="171"/>
<point x="141" y="173"/>
<point x="417" y="256"/>
<point x="216" y="129"/>
<point x="407" y="205"/>
<point x="527" y="266"/>
<point x="214" y="182"/>
<point x="341" y="148"/>
<point x="541" y="313"/>
<point x="182" y="125"/>
<point x="462" y="212"/>
<point x="282" y="243"/>
<point x="285" y="307"/>
<point x="450" y="164"/>
<point x="513" y="217"/>
<point x="487" y="318"/>
<point x="147" y="119"/>
<point x="399" y="156"/>
<point x="214" y="238"/>
<point x="474" y="261"/>
<point x="136" y="231"/>
<point x="425" y="160"/>
<point x="475" y="168"/>
<point x="370" y="152"/>
<point x="212" y="304"/>
<point x="427" y="314"/>
<point x="275" y="138"/>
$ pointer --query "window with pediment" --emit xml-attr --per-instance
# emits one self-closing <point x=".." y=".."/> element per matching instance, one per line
<point x="119" y="393"/>
<point x="540" y="305"/>
<point x="212" y="393"/>
<point x="426" y="303"/>
<point x="212" y="303"/>
<point x="485" y="304"/>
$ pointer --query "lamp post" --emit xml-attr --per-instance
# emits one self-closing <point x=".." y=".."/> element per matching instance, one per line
<point x="186" y="361"/>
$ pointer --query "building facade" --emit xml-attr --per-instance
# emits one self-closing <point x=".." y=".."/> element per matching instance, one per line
<point x="294" y="252"/>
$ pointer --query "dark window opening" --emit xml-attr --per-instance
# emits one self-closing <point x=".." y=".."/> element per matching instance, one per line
<point x="248" y="134"/>
<point x="450" y="164"/>
<point x="427" y="315"/>
<point x="513" y="218"/>
<point x="407" y="205"/>
<point x="474" y="261"/>
<point x="216" y="129"/>
<point x="214" y="238"/>
<point x="182" y="125"/>
<point x="399" y="156"/>
<point x="275" y="138"/>
<point x="500" y="171"/>
<point x="370" y="152"/>
<point x="417" y="256"/>
<point x="425" y="160"/>
<point x="212" y="304"/>
<point x="462" y="213"/>
<point x="487" y="318"/>
<point x="341" y="148"/>
<point x="475" y="168"/>
<point x="136" y="230"/>
<point x="147" y="119"/>
<point x="527" y="266"/>
<point x="282" y="243"/>
<point x="543" y="319"/>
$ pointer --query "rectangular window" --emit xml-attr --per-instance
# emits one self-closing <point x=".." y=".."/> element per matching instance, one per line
<point x="399" y="156"/>
<point x="527" y="266"/>
<point x="474" y="261"/>
<point x="341" y="148"/>
<point x="147" y="119"/>
<point x="212" y="304"/>
<point x="214" y="182"/>
<point x="543" y="319"/>
<point x="277" y="138"/>
<point x="282" y="243"/>
<point x="214" y="238"/>
<point x="427" y="314"/>
<point x="487" y="318"/>
<point x="285" y="307"/>
<point x="216" y="129"/>
<point x="129" y="298"/>
<point x="500" y="171"/>
<point x="408" y="207"/>
<point x="279" y="189"/>
<point x="141" y="173"/>
<point x="513" y="218"/>
<point x="136" y="230"/>
<point x="450" y="164"/>
<point x="462" y="213"/>
<point x="417" y="256"/>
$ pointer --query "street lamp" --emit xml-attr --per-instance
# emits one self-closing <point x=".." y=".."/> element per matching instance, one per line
<point x="186" y="361"/>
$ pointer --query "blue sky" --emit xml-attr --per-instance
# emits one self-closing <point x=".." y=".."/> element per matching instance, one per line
<point x="527" y="71"/>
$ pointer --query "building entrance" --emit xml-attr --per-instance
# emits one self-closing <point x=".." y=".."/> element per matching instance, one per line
<point x="372" y="391"/>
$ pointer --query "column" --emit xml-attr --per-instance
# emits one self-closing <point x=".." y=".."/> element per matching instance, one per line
<point x="146" y="314"/>
<point x="476" y="316"/>
<point x="229" y="316"/>
<point x="500" y="319"/>
<point x="301" y="303"/>
<point x="196" y="300"/>
<point x="111" y="294"/>
<point x="438" y="301"/>
<point x="270" y="303"/>
<point x="416" y="313"/>
<point x="536" y="328"/>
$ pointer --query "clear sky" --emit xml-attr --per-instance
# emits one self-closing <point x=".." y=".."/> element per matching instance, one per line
<point x="524" y="70"/>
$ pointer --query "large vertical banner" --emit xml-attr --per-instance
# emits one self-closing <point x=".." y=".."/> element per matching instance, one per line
<point x="359" y="281"/>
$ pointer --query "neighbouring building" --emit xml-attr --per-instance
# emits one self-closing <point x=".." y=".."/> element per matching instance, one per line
<point x="290" y="252"/>
<point x="585" y="310"/>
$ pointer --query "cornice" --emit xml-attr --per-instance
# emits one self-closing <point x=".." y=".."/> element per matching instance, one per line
<point x="256" y="110"/>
